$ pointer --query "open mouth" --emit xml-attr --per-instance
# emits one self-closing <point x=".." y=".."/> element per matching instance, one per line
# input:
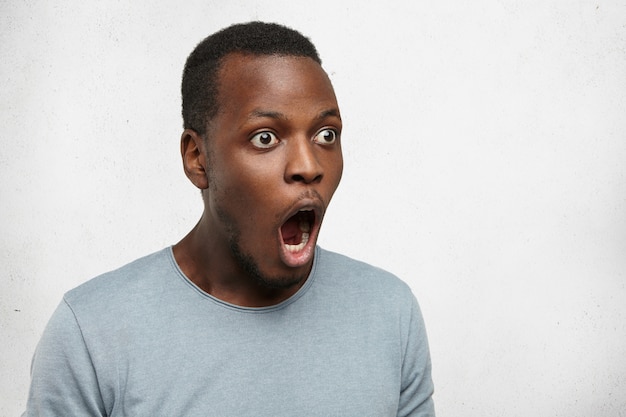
<point x="296" y="231"/>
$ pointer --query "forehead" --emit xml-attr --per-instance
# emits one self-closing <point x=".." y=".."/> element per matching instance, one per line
<point x="272" y="80"/>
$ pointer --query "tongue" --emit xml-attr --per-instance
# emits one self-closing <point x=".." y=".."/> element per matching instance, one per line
<point x="291" y="231"/>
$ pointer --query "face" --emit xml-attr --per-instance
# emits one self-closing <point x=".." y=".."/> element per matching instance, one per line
<point x="274" y="161"/>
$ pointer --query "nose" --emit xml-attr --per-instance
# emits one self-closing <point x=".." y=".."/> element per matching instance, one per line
<point x="302" y="162"/>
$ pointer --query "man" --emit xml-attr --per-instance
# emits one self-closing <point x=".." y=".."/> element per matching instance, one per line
<point x="245" y="316"/>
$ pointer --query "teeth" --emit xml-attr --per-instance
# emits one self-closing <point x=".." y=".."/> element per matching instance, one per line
<point x="299" y="247"/>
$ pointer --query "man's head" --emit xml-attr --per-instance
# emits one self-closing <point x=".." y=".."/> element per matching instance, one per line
<point x="263" y="144"/>
<point x="200" y="76"/>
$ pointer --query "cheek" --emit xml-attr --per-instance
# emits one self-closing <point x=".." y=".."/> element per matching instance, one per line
<point x="339" y="168"/>
<point x="249" y="189"/>
<point x="335" y="170"/>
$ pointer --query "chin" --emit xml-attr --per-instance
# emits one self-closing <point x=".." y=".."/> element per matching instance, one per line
<point x="267" y="280"/>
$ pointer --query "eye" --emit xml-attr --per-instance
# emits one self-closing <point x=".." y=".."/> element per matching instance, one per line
<point x="326" y="137"/>
<point x="264" y="140"/>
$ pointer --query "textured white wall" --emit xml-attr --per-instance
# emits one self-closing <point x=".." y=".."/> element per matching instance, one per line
<point x="485" y="147"/>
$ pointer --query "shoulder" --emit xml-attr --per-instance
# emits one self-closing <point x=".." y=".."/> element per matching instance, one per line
<point x="141" y="276"/>
<point x="352" y="276"/>
<point x="335" y="264"/>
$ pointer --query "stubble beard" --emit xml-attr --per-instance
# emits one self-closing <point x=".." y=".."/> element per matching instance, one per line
<point x="248" y="264"/>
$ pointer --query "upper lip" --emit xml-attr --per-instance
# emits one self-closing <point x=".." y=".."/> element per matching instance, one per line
<point x="307" y="202"/>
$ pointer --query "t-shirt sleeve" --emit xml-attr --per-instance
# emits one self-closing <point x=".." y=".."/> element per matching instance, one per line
<point x="417" y="385"/>
<point x="63" y="379"/>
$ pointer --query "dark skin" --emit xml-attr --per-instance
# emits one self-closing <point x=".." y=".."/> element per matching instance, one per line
<point x="272" y="154"/>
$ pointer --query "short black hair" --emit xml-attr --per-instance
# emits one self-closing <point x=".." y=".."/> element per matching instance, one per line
<point x="200" y="83"/>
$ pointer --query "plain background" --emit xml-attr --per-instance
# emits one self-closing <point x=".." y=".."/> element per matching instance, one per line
<point x="485" y="164"/>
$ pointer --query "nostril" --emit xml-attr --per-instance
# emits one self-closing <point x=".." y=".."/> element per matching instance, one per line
<point x="306" y="179"/>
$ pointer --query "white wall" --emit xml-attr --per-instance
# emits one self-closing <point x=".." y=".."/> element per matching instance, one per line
<point x="485" y="147"/>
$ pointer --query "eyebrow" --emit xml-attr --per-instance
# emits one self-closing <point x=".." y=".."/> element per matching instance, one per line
<point x="258" y="113"/>
<point x="334" y="112"/>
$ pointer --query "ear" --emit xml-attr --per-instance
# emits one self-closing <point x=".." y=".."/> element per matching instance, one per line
<point x="194" y="158"/>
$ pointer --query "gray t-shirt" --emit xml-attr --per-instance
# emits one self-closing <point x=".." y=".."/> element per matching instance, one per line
<point x="145" y="341"/>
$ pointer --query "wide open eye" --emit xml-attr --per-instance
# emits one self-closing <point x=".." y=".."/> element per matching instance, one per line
<point x="326" y="137"/>
<point x="264" y="140"/>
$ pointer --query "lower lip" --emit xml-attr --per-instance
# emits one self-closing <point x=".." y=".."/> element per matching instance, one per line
<point x="300" y="258"/>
